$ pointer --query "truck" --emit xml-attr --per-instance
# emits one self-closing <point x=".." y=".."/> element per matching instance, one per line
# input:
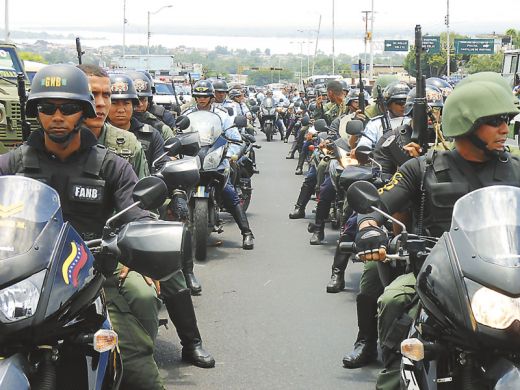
<point x="10" y="116"/>
<point x="511" y="72"/>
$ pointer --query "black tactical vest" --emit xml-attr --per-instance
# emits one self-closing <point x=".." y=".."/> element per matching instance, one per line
<point x="86" y="199"/>
<point x="446" y="180"/>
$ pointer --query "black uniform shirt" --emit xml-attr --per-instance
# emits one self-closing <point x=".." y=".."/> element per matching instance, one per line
<point x="118" y="174"/>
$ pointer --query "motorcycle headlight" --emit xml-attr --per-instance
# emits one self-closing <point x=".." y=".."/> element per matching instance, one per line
<point x="494" y="309"/>
<point x="212" y="160"/>
<point x="20" y="300"/>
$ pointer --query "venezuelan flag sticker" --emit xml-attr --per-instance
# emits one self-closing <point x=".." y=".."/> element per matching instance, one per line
<point x="74" y="262"/>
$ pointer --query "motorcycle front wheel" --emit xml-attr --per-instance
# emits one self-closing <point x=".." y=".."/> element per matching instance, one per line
<point x="200" y="228"/>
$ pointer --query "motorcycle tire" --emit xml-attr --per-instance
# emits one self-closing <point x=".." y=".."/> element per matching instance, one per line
<point x="200" y="228"/>
<point x="269" y="133"/>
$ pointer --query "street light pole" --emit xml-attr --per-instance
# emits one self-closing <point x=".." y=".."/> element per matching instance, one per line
<point x="7" y="33"/>
<point x="371" y="74"/>
<point x="333" y="51"/>
<point x="124" y="33"/>
<point x="448" y="38"/>
<point x="149" y="34"/>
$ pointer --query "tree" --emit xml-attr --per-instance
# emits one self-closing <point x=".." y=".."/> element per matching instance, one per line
<point x="485" y="62"/>
<point x="30" y="56"/>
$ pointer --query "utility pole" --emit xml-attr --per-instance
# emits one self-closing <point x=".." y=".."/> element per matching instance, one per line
<point x="316" y="46"/>
<point x="333" y="52"/>
<point x="124" y="33"/>
<point x="7" y="33"/>
<point x="447" y="22"/>
<point x="367" y="38"/>
<point x="371" y="74"/>
<point x="149" y="34"/>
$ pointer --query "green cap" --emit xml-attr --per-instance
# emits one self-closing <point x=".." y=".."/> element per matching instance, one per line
<point x="472" y="100"/>
<point x="383" y="81"/>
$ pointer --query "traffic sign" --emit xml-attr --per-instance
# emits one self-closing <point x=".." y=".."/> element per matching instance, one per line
<point x="474" y="46"/>
<point x="431" y="44"/>
<point x="396" y="45"/>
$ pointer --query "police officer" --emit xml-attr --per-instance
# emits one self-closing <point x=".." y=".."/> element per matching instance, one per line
<point x="476" y="115"/>
<point x="395" y="95"/>
<point x="65" y="154"/>
<point x="159" y="111"/>
<point x="204" y="94"/>
<point x="124" y="99"/>
<point x="393" y="149"/>
<point x="221" y="90"/>
<point x="121" y="142"/>
<point x="336" y="105"/>
<point x="143" y="88"/>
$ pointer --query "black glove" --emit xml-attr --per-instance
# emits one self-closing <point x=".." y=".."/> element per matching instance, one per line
<point x="370" y="239"/>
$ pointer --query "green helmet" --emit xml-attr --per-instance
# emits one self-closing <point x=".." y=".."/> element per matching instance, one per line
<point x="492" y="77"/>
<point x="383" y="81"/>
<point x="61" y="81"/>
<point x="472" y="101"/>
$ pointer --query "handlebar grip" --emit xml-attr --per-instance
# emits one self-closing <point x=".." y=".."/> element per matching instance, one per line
<point x="347" y="247"/>
<point x="257" y="146"/>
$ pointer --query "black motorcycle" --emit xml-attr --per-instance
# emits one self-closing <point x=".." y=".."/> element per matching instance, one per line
<point x="268" y="117"/>
<point x="466" y="331"/>
<point x="55" y="332"/>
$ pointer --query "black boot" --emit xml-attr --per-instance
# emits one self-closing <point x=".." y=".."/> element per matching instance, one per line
<point x="365" y="348"/>
<point x="303" y="198"/>
<point x="182" y="313"/>
<point x="318" y="233"/>
<point x="299" y="166"/>
<point x="337" y="280"/>
<point x="290" y="156"/>
<point x="240" y="217"/>
<point x="187" y="266"/>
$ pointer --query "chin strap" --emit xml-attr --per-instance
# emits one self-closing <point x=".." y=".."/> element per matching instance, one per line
<point x="501" y="154"/>
<point x="65" y="140"/>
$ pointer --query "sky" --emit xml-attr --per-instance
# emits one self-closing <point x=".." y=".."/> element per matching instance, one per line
<point x="466" y="16"/>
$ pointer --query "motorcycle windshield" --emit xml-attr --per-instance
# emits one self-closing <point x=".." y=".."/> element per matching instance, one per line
<point x="490" y="218"/>
<point x="207" y="124"/>
<point x="268" y="103"/>
<point x="26" y="205"/>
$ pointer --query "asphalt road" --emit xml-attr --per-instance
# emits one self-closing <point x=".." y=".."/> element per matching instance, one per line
<point x="264" y="314"/>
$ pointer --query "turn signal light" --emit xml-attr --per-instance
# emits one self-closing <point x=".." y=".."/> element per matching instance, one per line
<point x="105" y="340"/>
<point x="413" y="349"/>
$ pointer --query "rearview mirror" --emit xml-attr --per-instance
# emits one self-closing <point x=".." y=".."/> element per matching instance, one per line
<point x="151" y="192"/>
<point x="172" y="146"/>
<point x="362" y="196"/>
<point x="306" y="120"/>
<point x="240" y="121"/>
<point x="354" y="127"/>
<point x="152" y="249"/>
<point x="255" y="109"/>
<point x="321" y="125"/>
<point x="363" y="154"/>
<point x="182" y="122"/>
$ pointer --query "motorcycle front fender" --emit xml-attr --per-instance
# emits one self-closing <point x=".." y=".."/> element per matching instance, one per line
<point x="504" y="374"/>
<point x="13" y="373"/>
<point x="200" y="192"/>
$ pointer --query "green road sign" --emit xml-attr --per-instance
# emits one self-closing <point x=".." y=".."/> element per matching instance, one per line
<point x="431" y="44"/>
<point x="396" y="45"/>
<point x="474" y="46"/>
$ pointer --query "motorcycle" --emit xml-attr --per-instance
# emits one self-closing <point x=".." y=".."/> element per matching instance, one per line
<point x="243" y="168"/>
<point x="465" y="333"/>
<point x="55" y="331"/>
<point x="204" y="203"/>
<point x="268" y="117"/>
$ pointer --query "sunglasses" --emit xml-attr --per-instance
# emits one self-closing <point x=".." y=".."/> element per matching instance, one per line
<point x="65" y="108"/>
<point x="497" y="120"/>
<point x="399" y="102"/>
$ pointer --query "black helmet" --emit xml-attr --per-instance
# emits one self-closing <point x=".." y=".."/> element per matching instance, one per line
<point x="122" y="87"/>
<point x="220" y="85"/>
<point x="61" y="81"/>
<point x="142" y="85"/>
<point x="234" y="93"/>
<point x="252" y="102"/>
<point x="441" y="84"/>
<point x="354" y="95"/>
<point x="433" y="98"/>
<point x="150" y="80"/>
<point x="203" y="88"/>
<point x="344" y="85"/>
<point x="396" y="91"/>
